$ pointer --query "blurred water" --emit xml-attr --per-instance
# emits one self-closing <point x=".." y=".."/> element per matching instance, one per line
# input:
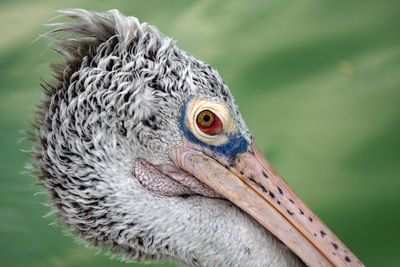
<point x="317" y="82"/>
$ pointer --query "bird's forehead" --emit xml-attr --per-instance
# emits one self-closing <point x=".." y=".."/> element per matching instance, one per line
<point x="185" y="77"/>
<point x="206" y="83"/>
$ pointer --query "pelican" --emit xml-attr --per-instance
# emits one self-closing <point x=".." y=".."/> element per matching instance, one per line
<point x="143" y="152"/>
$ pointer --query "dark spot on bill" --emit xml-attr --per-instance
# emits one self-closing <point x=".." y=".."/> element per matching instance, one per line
<point x="280" y="190"/>
<point x="322" y="233"/>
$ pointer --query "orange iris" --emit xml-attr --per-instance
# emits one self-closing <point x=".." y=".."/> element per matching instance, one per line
<point x="209" y="123"/>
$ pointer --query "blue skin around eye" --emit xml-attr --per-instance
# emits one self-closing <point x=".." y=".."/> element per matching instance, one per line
<point x="236" y="142"/>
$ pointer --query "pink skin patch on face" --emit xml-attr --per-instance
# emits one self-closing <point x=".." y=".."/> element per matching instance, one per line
<point x="168" y="180"/>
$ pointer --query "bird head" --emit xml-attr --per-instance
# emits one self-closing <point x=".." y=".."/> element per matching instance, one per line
<point x="132" y="122"/>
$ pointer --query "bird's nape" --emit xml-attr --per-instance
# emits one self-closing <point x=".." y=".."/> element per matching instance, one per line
<point x="143" y="151"/>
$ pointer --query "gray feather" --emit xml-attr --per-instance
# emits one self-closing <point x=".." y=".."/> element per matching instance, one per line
<point x="116" y="98"/>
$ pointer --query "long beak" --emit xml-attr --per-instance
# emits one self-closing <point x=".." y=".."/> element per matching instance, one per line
<point x="253" y="185"/>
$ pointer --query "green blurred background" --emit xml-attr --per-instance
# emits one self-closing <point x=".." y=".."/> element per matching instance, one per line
<point x="318" y="83"/>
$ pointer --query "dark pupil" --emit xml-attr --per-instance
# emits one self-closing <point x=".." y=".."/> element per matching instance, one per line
<point x="206" y="118"/>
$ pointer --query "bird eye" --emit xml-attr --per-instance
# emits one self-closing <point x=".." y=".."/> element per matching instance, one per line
<point x="205" y="119"/>
<point x="209" y="123"/>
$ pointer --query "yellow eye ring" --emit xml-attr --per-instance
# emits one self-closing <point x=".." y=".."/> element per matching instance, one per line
<point x="211" y="129"/>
